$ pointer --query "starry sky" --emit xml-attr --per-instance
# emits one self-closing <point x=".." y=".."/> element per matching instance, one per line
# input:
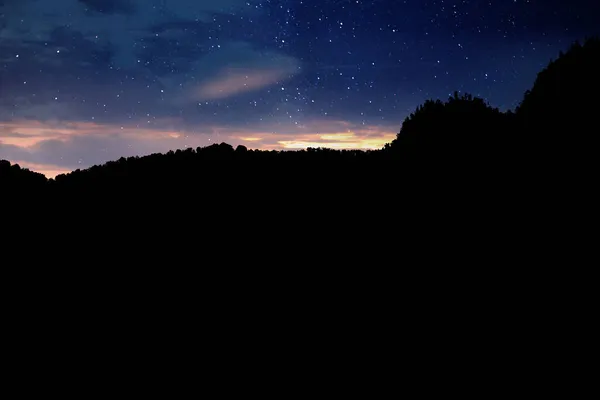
<point x="83" y="82"/>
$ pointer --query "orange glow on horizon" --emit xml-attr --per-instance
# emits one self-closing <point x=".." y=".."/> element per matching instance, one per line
<point x="359" y="140"/>
<point x="50" y="171"/>
<point x="28" y="136"/>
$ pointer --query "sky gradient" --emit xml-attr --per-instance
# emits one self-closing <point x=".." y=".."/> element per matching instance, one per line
<point x="83" y="82"/>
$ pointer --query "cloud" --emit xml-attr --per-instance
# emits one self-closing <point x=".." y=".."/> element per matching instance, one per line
<point x="111" y="6"/>
<point x="84" y="60"/>
<point x="81" y="144"/>
<point x="232" y="81"/>
<point x="23" y="108"/>
<point x="122" y="23"/>
<point x="333" y="134"/>
<point x="247" y="71"/>
<point x="237" y="67"/>
<point x="48" y="147"/>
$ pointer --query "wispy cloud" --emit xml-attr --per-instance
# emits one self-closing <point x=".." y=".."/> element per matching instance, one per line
<point x="233" y="81"/>
<point x="236" y="68"/>
<point x="111" y="20"/>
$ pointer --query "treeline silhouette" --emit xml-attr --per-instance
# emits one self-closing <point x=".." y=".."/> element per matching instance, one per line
<point x="446" y="151"/>
<point x="467" y="202"/>
<point x="437" y="133"/>
<point x="14" y="176"/>
<point x="462" y="135"/>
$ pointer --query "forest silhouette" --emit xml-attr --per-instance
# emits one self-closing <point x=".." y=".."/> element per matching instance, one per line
<point x="449" y="239"/>
<point x="462" y="145"/>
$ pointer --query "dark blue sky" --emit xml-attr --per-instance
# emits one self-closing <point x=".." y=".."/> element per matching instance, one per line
<point x="86" y="81"/>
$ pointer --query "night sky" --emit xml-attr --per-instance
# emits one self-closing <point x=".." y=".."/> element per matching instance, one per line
<point x="83" y="82"/>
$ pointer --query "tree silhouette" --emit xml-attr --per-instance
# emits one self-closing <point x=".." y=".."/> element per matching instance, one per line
<point x="563" y="93"/>
<point x="557" y="119"/>
<point x="461" y="135"/>
<point x="13" y="176"/>
<point x="462" y="138"/>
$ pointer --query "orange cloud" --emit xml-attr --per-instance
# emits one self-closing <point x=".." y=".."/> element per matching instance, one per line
<point x="330" y="134"/>
<point x="345" y="141"/>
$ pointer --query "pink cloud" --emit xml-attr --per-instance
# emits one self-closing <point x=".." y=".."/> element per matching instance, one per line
<point x="53" y="148"/>
<point x="232" y="81"/>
